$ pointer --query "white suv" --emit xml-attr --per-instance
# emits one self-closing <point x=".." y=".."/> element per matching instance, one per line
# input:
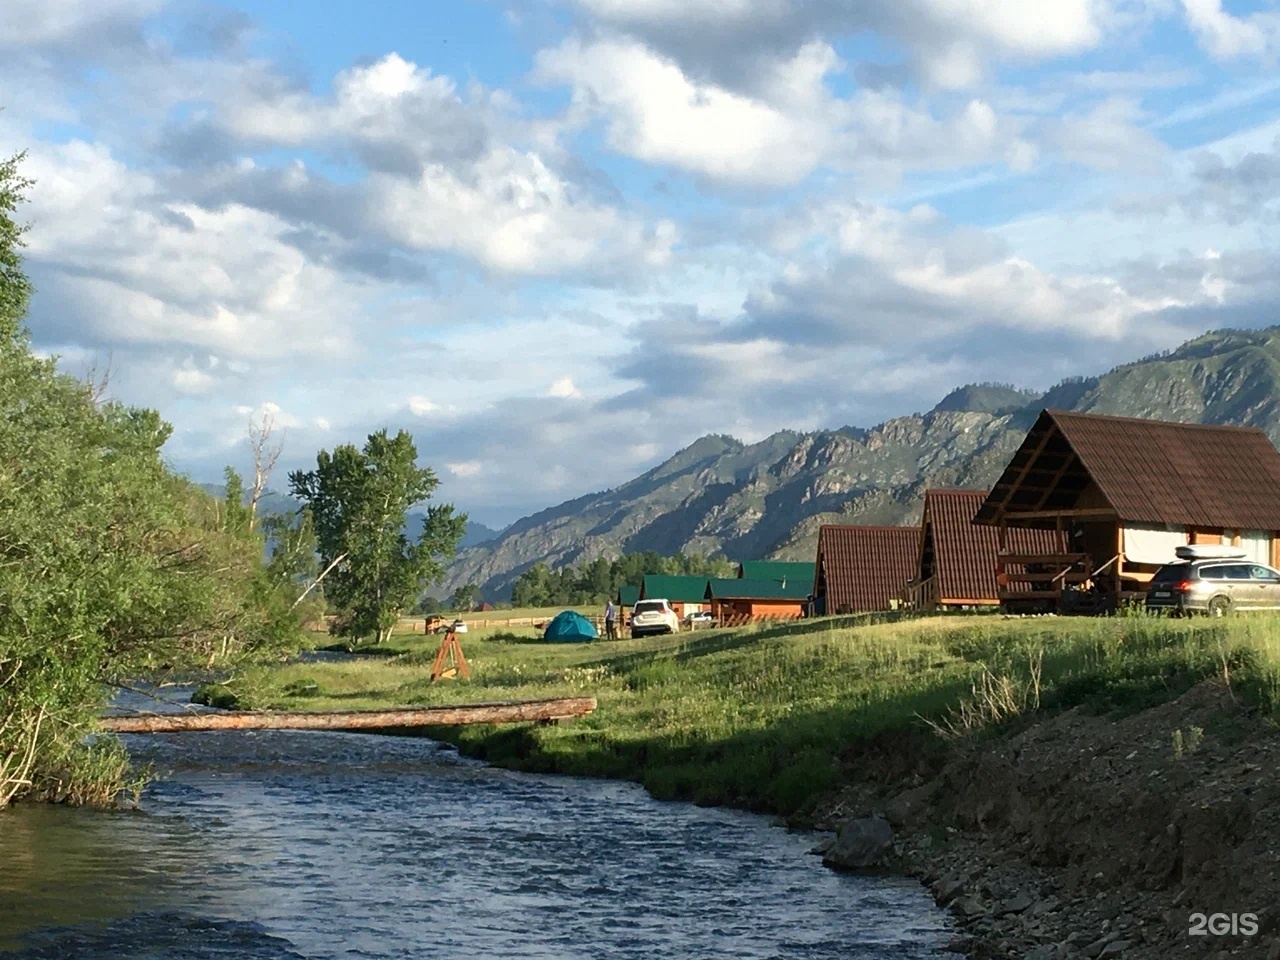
<point x="653" y="616"/>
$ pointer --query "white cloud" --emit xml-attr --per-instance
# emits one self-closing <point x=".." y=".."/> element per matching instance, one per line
<point x="421" y="406"/>
<point x="563" y="388"/>
<point x="952" y="43"/>
<point x="1227" y="37"/>
<point x="466" y="469"/>
<point x="1108" y="136"/>
<point x="129" y="265"/>
<point x="513" y="214"/>
<point x="657" y="114"/>
<point x="29" y="23"/>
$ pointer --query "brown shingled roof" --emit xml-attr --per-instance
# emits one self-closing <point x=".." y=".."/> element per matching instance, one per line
<point x="863" y="568"/>
<point x="963" y="554"/>
<point x="1148" y="471"/>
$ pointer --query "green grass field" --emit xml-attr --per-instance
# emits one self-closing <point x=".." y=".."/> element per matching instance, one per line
<point x="753" y="717"/>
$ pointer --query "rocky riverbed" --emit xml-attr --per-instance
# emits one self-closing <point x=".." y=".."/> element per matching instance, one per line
<point x="1156" y="835"/>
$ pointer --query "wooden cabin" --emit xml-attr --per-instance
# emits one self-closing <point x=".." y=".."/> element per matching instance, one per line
<point x="862" y="569"/>
<point x="686" y="594"/>
<point x="957" y="559"/>
<point x="780" y="570"/>
<point x="1124" y="494"/>
<point x="739" y="599"/>
<point x="627" y="597"/>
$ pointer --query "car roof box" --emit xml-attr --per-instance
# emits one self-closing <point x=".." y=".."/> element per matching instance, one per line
<point x="1209" y="551"/>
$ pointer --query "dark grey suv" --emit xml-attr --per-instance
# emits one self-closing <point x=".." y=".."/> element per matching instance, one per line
<point x="1215" y="587"/>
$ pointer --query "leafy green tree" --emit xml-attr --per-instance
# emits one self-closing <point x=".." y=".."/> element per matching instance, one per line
<point x="238" y="521"/>
<point x="465" y="598"/>
<point x="112" y="565"/>
<point x="427" y="605"/>
<point x="358" y="500"/>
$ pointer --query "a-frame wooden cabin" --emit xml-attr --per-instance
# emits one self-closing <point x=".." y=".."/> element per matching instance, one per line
<point x="957" y="561"/>
<point x="861" y="569"/>
<point x="1125" y="493"/>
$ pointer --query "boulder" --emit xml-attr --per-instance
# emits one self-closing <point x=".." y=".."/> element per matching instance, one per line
<point x="860" y="844"/>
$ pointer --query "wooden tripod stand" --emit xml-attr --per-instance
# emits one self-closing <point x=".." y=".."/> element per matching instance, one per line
<point x="450" y="661"/>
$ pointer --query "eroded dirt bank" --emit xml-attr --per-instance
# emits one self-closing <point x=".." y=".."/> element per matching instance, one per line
<point x="1083" y="836"/>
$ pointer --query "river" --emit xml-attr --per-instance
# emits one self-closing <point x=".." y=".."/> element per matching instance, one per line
<point x="278" y="845"/>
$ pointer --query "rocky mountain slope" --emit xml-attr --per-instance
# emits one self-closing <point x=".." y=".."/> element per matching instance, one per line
<point x="767" y="499"/>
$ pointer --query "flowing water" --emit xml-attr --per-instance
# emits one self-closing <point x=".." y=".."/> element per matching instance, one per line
<point x="277" y="845"/>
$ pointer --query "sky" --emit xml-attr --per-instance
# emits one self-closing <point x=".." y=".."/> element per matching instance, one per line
<point x="558" y="240"/>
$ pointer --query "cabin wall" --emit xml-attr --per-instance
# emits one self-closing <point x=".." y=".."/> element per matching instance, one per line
<point x="758" y="609"/>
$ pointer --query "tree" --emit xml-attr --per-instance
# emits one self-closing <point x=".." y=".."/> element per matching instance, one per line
<point x="358" y="500"/>
<point x="265" y="456"/>
<point x="465" y="598"/>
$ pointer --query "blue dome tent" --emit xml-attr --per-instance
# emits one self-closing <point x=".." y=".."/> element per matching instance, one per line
<point x="568" y="627"/>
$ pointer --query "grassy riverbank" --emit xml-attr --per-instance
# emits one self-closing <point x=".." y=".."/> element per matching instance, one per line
<point x="753" y="717"/>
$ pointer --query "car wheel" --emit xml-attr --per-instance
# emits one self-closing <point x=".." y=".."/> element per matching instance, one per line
<point x="1219" y="606"/>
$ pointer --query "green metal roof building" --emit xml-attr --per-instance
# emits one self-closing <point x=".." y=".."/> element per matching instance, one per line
<point x="628" y="595"/>
<point x="787" y="570"/>
<point x="741" y="588"/>
<point x="675" y="589"/>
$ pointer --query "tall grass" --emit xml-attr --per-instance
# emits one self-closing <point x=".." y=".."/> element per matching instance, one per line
<point x="754" y="717"/>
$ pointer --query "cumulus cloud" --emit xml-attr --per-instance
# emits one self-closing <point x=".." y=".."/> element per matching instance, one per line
<point x="658" y="114"/>
<point x="55" y="23"/>
<point x="145" y="269"/>
<point x="1226" y="36"/>
<point x="655" y="111"/>
<point x="1108" y="136"/>
<point x="688" y="217"/>
<point x="949" y="42"/>
<point x="1245" y="189"/>
<point x="563" y="388"/>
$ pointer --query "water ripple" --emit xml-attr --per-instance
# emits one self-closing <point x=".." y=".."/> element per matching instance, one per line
<point x="290" y="844"/>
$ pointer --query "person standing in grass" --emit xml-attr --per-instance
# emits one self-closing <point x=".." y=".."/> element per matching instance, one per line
<point x="611" y="621"/>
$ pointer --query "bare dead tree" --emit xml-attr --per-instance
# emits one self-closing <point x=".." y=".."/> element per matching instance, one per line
<point x="98" y="381"/>
<point x="265" y="456"/>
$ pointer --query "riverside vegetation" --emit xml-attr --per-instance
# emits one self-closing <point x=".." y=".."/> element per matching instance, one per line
<point x="756" y="717"/>
<point x="113" y="566"/>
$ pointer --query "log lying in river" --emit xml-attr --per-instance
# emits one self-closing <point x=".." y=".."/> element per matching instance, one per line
<point x="516" y="711"/>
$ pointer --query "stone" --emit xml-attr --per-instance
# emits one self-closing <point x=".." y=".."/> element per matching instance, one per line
<point x="947" y="890"/>
<point x="969" y="907"/>
<point x="1115" y="948"/>
<point x="823" y="845"/>
<point x="1044" y="952"/>
<point x="859" y="844"/>
<point x="1015" y="904"/>
<point x="1094" y="950"/>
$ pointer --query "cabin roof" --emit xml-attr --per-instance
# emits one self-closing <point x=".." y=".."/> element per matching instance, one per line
<point x="742" y="588"/>
<point x="628" y="595"/>
<point x="964" y="554"/>
<point x="776" y="570"/>
<point x="865" y="567"/>
<point x="677" y="589"/>
<point x="1147" y="471"/>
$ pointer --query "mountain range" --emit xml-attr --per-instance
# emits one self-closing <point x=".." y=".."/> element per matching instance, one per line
<point x="767" y="499"/>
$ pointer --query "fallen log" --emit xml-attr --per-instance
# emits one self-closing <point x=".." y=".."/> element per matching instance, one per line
<point x="515" y="711"/>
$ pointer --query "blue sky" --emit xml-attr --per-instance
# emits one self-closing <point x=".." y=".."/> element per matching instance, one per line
<point x="560" y="239"/>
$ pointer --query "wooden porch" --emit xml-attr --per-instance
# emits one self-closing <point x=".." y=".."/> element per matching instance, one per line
<point x="921" y="596"/>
